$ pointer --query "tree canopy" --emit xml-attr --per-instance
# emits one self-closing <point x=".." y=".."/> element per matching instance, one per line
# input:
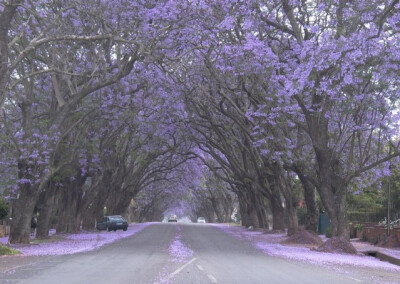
<point x="160" y="106"/>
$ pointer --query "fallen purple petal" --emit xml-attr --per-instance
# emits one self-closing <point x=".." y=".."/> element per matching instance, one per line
<point x="178" y="250"/>
<point x="80" y="242"/>
<point x="270" y="244"/>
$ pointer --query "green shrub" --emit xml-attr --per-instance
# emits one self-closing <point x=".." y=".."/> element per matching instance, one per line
<point x="328" y="232"/>
<point x="359" y="227"/>
<point x="5" y="250"/>
<point x="367" y="216"/>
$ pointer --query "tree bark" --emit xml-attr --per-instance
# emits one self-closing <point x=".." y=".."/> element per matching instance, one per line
<point x="69" y="219"/>
<point x="312" y="209"/>
<point x="278" y="213"/>
<point x="243" y="211"/>
<point x="6" y="18"/>
<point x="46" y="212"/>
<point x="24" y="206"/>
<point x="291" y="204"/>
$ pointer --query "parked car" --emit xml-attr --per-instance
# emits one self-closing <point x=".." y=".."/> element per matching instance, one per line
<point x="173" y="218"/>
<point x="112" y="223"/>
<point x="201" y="220"/>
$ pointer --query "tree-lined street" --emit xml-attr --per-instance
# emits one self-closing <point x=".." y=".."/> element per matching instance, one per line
<point x="272" y="114"/>
<point x="214" y="257"/>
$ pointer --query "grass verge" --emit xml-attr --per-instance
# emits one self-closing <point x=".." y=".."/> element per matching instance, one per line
<point x="5" y="250"/>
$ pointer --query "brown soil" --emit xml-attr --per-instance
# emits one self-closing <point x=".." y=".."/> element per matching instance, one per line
<point x="337" y="245"/>
<point x="307" y="238"/>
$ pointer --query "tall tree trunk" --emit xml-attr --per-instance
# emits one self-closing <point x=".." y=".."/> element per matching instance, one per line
<point x="311" y="204"/>
<point x="253" y="217"/>
<point x="70" y="205"/>
<point x="287" y="189"/>
<point x="332" y="190"/>
<point x="336" y="210"/>
<point x="46" y="212"/>
<point x="293" y="222"/>
<point x="228" y="213"/>
<point x="23" y="209"/>
<point x="251" y="206"/>
<point x="24" y="206"/>
<point x="89" y="219"/>
<point x="278" y="213"/>
<point x="262" y="212"/>
<point x="243" y="211"/>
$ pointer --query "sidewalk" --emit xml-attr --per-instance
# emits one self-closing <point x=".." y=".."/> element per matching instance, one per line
<point x="273" y="245"/>
<point x="391" y="255"/>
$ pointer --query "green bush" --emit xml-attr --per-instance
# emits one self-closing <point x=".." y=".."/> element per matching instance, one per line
<point x="367" y="216"/>
<point x="359" y="227"/>
<point x="3" y="209"/>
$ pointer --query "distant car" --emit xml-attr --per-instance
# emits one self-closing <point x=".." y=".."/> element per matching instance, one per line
<point x="201" y="220"/>
<point x="112" y="223"/>
<point x="173" y="218"/>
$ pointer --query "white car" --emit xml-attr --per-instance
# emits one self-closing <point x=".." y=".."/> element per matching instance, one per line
<point x="201" y="220"/>
<point x="173" y="218"/>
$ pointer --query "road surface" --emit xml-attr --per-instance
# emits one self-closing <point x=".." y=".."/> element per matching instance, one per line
<point x="146" y="258"/>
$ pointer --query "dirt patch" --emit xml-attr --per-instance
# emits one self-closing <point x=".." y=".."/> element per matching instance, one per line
<point x="304" y="238"/>
<point x="337" y="245"/>
<point x="391" y="242"/>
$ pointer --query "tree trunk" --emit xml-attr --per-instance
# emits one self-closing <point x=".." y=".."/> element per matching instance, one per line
<point x="243" y="211"/>
<point x="24" y="206"/>
<point x="6" y="18"/>
<point x="293" y="222"/>
<point x="46" y="213"/>
<point x="278" y="213"/>
<point x="337" y="213"/>
<point x="312" y="209"/>
<point x="252" y="210"/>
<point x="333" y="190"/>
<point x="22" y="213"/>
<point x="228" y="213"/>
<point x="291" y="203"/>
<point x="253" y="217"/>
<point x="89" y="219"/>
<point x="69" y="220"/>
<point x="262" y="212"/>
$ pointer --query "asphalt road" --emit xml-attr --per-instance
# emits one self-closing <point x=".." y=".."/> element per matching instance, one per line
<point x="144" y="258"/>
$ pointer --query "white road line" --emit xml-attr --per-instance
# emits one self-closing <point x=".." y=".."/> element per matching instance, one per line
<point x="200" y="267"/>
<point x="212" y="278"/>
<point x="355" y="279"/>
<point x="180" y="268"/>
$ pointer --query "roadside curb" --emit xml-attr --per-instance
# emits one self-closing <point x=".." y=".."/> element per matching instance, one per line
<point x="383" y="256"/>
<point x="391" y="255"/>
